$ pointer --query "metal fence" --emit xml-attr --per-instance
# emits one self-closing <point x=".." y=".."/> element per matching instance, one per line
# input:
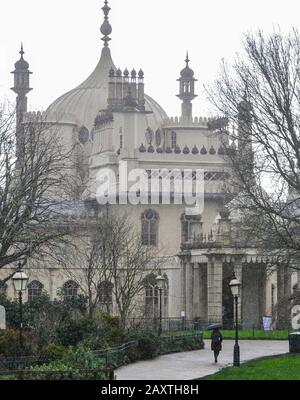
<point x="117" y="356"/>
<point x="21" y="363"/>
<point x="182" y="324"/>
<point x="78" y="374"/>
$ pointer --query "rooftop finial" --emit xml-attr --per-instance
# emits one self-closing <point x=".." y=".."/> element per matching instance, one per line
<point x="22" y="51"/>
<point x="106" y="28"/>
<point x="187" y="58"/>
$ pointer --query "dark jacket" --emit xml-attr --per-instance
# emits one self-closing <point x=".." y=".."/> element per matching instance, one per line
<point x="216" y="341"/>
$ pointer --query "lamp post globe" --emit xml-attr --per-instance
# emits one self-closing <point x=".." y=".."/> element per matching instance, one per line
<point x="160" y="280"/>
<point x="20" y="280"/>
<point x="235" y="286"/>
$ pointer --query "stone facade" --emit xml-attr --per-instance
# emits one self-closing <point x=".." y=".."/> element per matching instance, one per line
<point x="109" y="119"/>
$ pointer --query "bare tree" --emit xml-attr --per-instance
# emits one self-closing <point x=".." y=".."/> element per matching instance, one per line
<point x="34" y="175"/>
<point x="260" y="97"/>
<point x="112" y="264"/>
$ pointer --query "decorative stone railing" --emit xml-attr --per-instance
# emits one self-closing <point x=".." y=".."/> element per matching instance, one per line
<point x="197" y="121"/>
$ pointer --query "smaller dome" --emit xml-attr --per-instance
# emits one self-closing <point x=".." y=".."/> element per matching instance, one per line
<point x="187" y="72"/>
<point x="186" y="150"/>
<point x="142" y="148"/>
<point x="111" y="73"/>
<point x="21" y="64"/>
<point x="203" y="151"/>
<point x="212" y="150"/>
<point x="195" y="150"/>
<point x="177" y="150"/>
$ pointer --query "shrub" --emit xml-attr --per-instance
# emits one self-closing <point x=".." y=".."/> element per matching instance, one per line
<point x="79" y="364"/>
<point x="54" y="351"/>
<point x="148" y="344"/>
<point x="107" y="332"/>
<point x="181" y="343"/>
<point x="71" y="332"/>
<point x="10" y="343"/>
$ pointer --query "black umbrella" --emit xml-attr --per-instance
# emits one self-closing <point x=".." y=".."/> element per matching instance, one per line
<point x="214" y="326"/>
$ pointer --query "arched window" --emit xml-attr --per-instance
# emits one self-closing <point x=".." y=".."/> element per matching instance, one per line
<point x="105" y="293"/>
<point x="173" y="139"/>
<point x="186" y="234"/>
<point x="35" y="289"/>
<point x="70" y="290"/>
<point x="152" y="297"/>
<point x="150" y="220"/>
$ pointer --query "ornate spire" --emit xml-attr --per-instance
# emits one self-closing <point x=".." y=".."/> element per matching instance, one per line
<point x="22" y="51"/>
<point x="106" y="28"/>
<point x="187" y="58"/>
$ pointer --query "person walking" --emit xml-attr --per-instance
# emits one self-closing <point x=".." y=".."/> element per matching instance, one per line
<point x="216" y="342"/>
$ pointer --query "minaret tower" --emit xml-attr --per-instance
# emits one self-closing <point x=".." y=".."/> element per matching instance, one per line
<point x="21" y="87"/>
<point x="187" y="90"/>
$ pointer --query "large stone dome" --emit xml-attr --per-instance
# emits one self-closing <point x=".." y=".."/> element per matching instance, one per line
<point x="82" y="104"/>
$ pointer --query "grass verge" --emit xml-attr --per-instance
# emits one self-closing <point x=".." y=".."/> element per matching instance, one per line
<point x="284" y="367"/>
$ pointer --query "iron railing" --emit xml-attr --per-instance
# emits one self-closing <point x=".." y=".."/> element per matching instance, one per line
<point x="182" y="324"/>
<point x="76" y="374"/>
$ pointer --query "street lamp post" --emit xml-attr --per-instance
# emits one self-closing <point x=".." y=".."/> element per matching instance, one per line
<point x="20" y="280"/>
<point x="160" y="283"/>
<point x="235" y="285"/>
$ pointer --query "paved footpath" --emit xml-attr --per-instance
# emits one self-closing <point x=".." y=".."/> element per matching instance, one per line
<point x="195" y="364"/>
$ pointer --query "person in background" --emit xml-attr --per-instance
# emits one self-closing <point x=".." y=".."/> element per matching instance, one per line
<point x="216" y="342"/>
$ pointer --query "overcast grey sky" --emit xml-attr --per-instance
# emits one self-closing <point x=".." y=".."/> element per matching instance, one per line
<point x="62" y="41"/>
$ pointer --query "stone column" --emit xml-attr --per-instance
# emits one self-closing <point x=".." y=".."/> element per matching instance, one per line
<point x="238" y="273"/>
<point x="283" y="293"/>
<point x="183" y="285"/>
<point x="214" y="289"/>
<point x="203" y="291"/>
<point x="189" y="290"/>
<point x="196" y="290"/>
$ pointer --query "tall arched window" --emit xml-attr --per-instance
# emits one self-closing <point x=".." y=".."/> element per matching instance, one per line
<point x="150" y="220"/>
<point x="186" y="234"/>
<point x="152" y="297"/>
<point x="173" y="139"/>
<point x="70" y="290"/>
<point x="35" y="289"/>
<point x="105" y="292"/>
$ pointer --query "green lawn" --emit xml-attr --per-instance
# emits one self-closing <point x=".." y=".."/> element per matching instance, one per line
<point x="285" y="367"/>
<point x="251" y="334"/>
<point x="244" y="334"/>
